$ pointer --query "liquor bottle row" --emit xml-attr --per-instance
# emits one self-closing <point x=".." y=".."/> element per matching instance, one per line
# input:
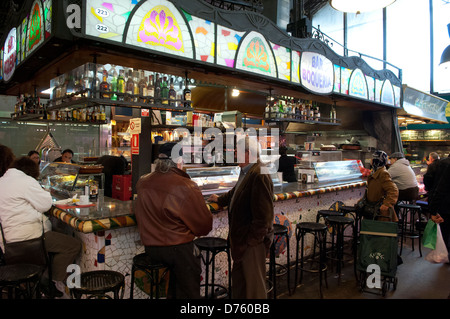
<point x="289" y="108"/>
<point x="26" y="104"/>
<point x="94" y="114"/>
<point x="126" y="85"/>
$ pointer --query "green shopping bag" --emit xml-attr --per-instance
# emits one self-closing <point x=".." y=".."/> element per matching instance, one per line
<point x="430" y="234"/>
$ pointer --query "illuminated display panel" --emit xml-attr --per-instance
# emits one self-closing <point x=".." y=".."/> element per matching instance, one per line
<point x="35" y="31"/>
<point x="203" y="32"/>
<point x="256" y="56"/>
<point x="357" y="85"/>
<point x="283" y="60"/>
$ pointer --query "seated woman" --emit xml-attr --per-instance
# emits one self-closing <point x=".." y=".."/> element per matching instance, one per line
<point x="66" y="157"/>
<point x="23" y="203"/>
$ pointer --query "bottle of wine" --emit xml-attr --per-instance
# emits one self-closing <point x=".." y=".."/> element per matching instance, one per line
<point x="142" y="88"/>
<point x="113" y="73"/>
<point x="129" y="87"/>
<point x="164" y="91"/>
<point x="121" y="85"/>
<point x="172" y="94"/>
<point x="150" y="90"/>
<point x="105" y="87"/>
<point x="187" y="95"/>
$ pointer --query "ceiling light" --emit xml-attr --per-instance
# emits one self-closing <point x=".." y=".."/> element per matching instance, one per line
<point x="358" y="6"/>
<point x="235" y="92"/>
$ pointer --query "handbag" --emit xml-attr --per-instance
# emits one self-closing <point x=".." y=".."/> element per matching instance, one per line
<point x="30" y="251"/>
<point x="368" y="209"/>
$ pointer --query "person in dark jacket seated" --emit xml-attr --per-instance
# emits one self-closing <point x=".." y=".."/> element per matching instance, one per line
<point x="112" y="165"/>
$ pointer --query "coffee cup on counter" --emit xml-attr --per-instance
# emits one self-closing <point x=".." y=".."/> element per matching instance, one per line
<point x="84" y="200"/>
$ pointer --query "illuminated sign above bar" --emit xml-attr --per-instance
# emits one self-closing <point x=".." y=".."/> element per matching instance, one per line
<point x="316" y="73"/>
<point x="9" y="55"/>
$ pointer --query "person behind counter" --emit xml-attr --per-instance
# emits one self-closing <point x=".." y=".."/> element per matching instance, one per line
<point x="34" y="155"/>
<point x="250" y="215"/>
<point x="65" y="157"/>
<point x="170" y="212"/>
<point x="112" y="165"/>
<point x="23" y="203"/>
<point x="286" y="166"/>
<point x="404" y="177"/>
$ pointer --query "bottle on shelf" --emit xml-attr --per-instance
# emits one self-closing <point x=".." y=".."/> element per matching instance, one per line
<point x="267" y="112"/>
<point x="102" y="114"/>
<point x="78" y="87"/>
<point x="105" y="88"/>
<point x="157" y="89"/>
<point x="113" y="73"/>
<point x="121" y="85"/>
<point x="86" y="82"/>
<point x="164" y="91"/>
<point x="172" y="94"/>
<point x="187" y="95"/>
<point x="333" y="114"/>
<point x="136" y="81"/>
<point x="317" y="112"/>
<point x="150" y="90"/>
<point x="129" y="87"/>
<point x="143" y="91"/>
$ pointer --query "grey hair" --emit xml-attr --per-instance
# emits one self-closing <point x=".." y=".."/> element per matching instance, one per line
<point x="163" y="165"/>
<point x="434" y="155"/>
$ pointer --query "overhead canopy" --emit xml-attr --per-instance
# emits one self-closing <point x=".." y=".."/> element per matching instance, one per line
<point x="418" y="105"/>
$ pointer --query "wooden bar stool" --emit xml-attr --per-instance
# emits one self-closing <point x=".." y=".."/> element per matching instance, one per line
<point x="408" y="229"/>
<point x="142" y="262"/>
<point x="339" y="224"/>
<point x="319" y="231"/>
<point x="20" y="280"/>
<point x="212" y="246"/>
<point x="96" y="284"/>
<point x="280" y="231"/>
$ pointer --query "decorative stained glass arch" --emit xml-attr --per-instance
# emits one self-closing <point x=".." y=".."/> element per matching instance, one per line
<point x="357" y="85"/>
<point x="255" y="55"/>
<point x="158" y="25"/>
<point x="35" y="31"/>
<point x="387" y="93"/>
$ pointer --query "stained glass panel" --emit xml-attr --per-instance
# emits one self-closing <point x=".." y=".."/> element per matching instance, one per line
<point x="227" y="43"/>
<point x="204" y="37"/>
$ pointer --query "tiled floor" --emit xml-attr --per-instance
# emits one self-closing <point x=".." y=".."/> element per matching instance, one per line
<point x="417" y="279"/>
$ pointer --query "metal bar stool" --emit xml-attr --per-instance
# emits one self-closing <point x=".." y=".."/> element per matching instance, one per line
<point x="142" y="262"/>
<point x="324" y="213"/>
<point x="213" y="246"/>
<point x="279" y="232"/>
<point x="20" y="280"/>
<point x="339" y="224"/>
<point x="412" y="210"/>
<point x="319" y="231"/>
<point x="97" y="283"/>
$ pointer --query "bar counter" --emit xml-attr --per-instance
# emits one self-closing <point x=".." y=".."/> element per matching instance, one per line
<point x="110" y="237"/>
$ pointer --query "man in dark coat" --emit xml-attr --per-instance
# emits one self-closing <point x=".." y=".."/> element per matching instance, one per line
<point x="439" y="205"/>
<point x="250" y="215"/>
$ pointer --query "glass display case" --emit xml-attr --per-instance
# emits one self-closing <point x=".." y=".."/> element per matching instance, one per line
<point x="306" y="159"/>
<point x="337" y="170"/>
<point x="217" y="180"/>
<point x="64" y="180"/>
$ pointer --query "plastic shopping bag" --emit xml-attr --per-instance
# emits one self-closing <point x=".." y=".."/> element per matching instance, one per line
<point x="429" y="235"/>
<point x="440" y="253"/>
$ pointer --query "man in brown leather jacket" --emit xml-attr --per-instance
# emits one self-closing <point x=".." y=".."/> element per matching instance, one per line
<point x="170" y="212"/>
<point x="250" y="215"/>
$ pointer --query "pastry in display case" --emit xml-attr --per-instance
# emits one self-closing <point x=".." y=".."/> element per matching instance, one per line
<point x="64" y="180"/>
<point x="337" y="170"/>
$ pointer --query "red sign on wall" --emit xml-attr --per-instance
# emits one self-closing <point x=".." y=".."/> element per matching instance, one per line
<point x="135" y="144"/>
